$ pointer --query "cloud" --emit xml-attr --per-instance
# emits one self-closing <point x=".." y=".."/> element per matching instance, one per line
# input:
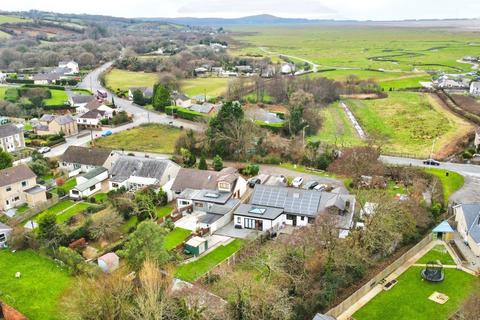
<point x="238" y="8"/>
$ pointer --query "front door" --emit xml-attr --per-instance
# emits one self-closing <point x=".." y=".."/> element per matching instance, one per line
<point x="294" y="221"/>
<point x="259" y="225"/>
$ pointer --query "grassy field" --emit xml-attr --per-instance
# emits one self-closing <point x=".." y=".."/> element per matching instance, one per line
<point x="389" y="49"/>
<point x="11" y="19"/>
<point x="146" y="138"/>
<point x="438" y="253"/>
<point x="64" y="210"/>
<point x="164" y="211"/>
<point x="70" y="212"/>
<point x="37" y="292"/>
<point x="194" y="270"/>
<point x="67" y="186"/>
<point x="212" y="87"/>
<point x="122" y="79"/>
<point x="409" y="298"/>
<point x="59" y="97"/>
<point x="175" y="238"/>
<point x="451" y="183"/>
<point x="2" y="92"/>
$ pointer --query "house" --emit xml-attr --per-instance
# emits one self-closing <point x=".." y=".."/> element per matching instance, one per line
<point x="18" y="185"/>
<point x="11" y="138"/>
<point x="76" y="160"/>
<point x="55" y="124"/>
<point x="89" y="183"/>
<point x="92" y="119"/>
<point x="226" y="180"/>
<point x="218" y="71"/>
<point x="201" y="98"/>
<point x="205" y="108"/>
<point x="287" y="68"/>
<point x="181" y="100"/>
<point x="146" y="92"/>
<point x="258" y="114"/>
<point x="195" y="246"/>
<point x="452" y="82"/>
<point x="467" y="217"/>
<point x="46" y="78"/>
<point x="80" y="100"/>
<point x="271" y="207"/>
<point x="96" y="105"/>
<point x="5" y="232"/>
<point x="3" y="77"/>
<point x="475" y="88"/>
<point x="134" y="173"/>
<point x="243" y="69"/>
<point x="108" y="262"/>
<point x="267" y="72"/>
<point x="71" y="65"/>
<point x="200" y="71"/>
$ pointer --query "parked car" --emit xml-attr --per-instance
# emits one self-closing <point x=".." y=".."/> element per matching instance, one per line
<point x="253" y="181"/>
<point x="431" y="162"/>
<point x="310" y="185"/>
<point x="102" y="94"/>
<point x="320" y="187"/>
<point x="43" y="150"/>
<point x="107" y="133"/>
<point x="297" y="182"/>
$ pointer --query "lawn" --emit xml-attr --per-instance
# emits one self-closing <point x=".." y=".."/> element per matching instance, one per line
<point x="164" y="211"/>
<point x="59" y="98"/>
<point x="67" y="186"/>
<point x="451" y="183"/>
<point x="129" y="224"/>
<point x="440" y="253"/>
<point x="212" y="87"/>
<point x="100" y="197"/>
<point x="57" y="208"/>
<point x="409" y="121"/>
<point x="37" y="292"/>
<point x="145" y="138"/>
<point x="64" y="210"/>
<point x="12" y="19"/>
<point x="70" y="212"/>
<point x="409" y="298"/>
<point x="194" y="270"/>
<point x="122" y="79"/>
<point x="174" y="238"/>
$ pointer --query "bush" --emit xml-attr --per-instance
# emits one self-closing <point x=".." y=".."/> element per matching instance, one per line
<point x="251" y="170"/>
<point x="10" y="80"/>
<point x="467" y="154"/>
<point x="61" y="192"/>
<point x="184" y="113"/>
<point x="54" y="87"/>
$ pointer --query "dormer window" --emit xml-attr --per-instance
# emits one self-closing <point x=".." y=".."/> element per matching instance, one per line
<point x="224" y="186"/>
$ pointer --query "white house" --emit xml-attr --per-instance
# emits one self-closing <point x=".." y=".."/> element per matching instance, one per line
<point x="72" y="65"/>
<point x="3" y="77"/>
<point x="287" y="68"/>
<point x="135" y="173"/>
<point x="80" y="100"/>
<point x="181" y="100"/>
<point x="467" y="217"/>
<point x="475" y="88"/>
<point x="76" y="160"/>
<point x="46" y="78"/>
<point x="11" y="138"/>
<point x="146" y="92"/>
<point x="93" y="119"/>
<point x="89" y="183"/>
<point x="5" y="232"/>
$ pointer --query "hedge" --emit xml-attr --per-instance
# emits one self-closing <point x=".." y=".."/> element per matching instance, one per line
<point x="184" y="113"/>
<point x="19" y="81"/>
<point x="274" y="127"/>
<point x="54" y="87"/>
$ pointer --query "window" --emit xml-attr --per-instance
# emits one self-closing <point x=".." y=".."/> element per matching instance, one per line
<point x="9" y="189"/>
<point x="7" y="202"/>
<point x="184" y="203"/>
<point x="290" y="217"/>
<point x="239" y="220"/>
<point x="92" y="188"/>
<point x="224" y="186"/>
<point x="74" y="191"/>
<point x="199" y="204"/>
<point x="302" y="218"/>
<point x="114" y="185"/>
<point x="3" y="237"/>
<point x="16" y="198"/>
<point x="24" y="183"/>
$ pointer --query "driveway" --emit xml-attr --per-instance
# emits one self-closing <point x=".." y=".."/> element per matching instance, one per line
<point x="470" y="192"/>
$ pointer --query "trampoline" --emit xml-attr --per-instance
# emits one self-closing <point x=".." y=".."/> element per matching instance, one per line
<point x="433" y="272"/>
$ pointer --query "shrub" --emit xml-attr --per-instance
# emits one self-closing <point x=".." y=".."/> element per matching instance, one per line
<point x="251" y="170"/>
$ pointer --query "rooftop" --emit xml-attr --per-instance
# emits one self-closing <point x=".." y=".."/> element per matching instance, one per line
<point x="8" y="130"/>
<point x="15" y="174"/>
<point x="472" y="219"/>
<point x="86" y="156"/>
<point x="202" y="179"/>
<point x="128" y="166"/>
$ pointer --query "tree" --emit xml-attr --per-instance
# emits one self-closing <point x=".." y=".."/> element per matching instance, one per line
<point x="49" y="231"/>
<point x="217" y="163"/>
<point x="189" y="160"/>
<point x="6" y="160"/>
<point x="145" y="242"/>
<point x="39" y="167"/>
<point x="202" y="164"/>
<point x="161" y="97"/>
<point x="294" y="122"/>
<point x="105" y="224"/>
<point x="251" y="169"/>
<point x="138" y="97"/>
<point x="358" y="161"/>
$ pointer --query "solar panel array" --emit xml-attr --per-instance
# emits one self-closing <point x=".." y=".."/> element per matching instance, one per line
<point x="297" y="201"/>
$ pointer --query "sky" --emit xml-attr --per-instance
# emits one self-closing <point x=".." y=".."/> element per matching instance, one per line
<point x="311" y="9"/>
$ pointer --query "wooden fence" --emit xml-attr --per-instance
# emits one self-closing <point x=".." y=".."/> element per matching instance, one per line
<point x="357" y="295"/>
<point x="31" y="212"/>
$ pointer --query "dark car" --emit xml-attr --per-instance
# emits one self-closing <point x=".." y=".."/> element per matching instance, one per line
<point x="253" y="181"/>
<point x="431" y="162"/>
<point x="310" y="185"/>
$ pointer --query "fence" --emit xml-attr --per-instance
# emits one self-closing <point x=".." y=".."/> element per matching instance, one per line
<point x="357" y="295"/>
<point x="30" y="213"/>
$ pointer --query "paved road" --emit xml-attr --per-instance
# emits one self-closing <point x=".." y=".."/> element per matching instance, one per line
<point x="463" y="169"/>
<point x="140" y="115"/>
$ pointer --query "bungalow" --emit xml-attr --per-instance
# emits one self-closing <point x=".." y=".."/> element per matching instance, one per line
<point x="134" y="173"/>
<point x="271" y="207"/>
<point x="201" y="98"/>
<point x="475" y="88"/>
<point x="181" y="100"/>
<point x="80" y="100"/>
<point x="287" y="68"/>
<point x="147" y="93"/>
<point x="5" y="232"/>
<point x="200" y="71"/>
<point x="95" y="105"/>
<point x="76" y="160"/>
<point x="89" y="183"/>
<point x="71" y="65"/>
<point x="46" y="78"/>
<point x="18" y="185"/>
<point x="92" y="120"/>
<point x="53" y="124"/>
<point x="206" y="108"/>
<point x="243" y="69"/>
<point x="11" y="138"/>
<point x="467" y="217"/>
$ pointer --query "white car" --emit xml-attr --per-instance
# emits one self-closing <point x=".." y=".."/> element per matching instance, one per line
<point x="297" y="182"/>
<point x="43" y="150"/>
<point x="320" y="187"/>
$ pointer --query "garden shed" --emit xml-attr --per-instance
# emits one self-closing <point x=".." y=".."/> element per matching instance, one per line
<point x="196" y="246"/>
<point x="109" y="262"/>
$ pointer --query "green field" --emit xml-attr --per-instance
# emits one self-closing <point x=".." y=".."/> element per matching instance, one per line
<point x="212" y="87"/>
<point x="174" y="238"/>
<point x="164" y="211"/>
<point x="12" y="19"/>
<point x="122" y="79"/>
<point x="438" y="253"/>
<point x="409" y="298"/>
<point x="64" y="210"/>
<point x="146" y="138"/>
<point x="37" y="292"/>
<point x="194" y="270"/>
<point x="360" y="47"/>
<point x="451" y="183"/>
<point x="59" y="97"/>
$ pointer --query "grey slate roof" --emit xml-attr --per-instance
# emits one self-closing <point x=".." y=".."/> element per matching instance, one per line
<point x="180" y="96"/>
<point x="202" y="108"/>
<point x="86" y="156"/>
<point x="47" y="117"/>
<point x="254" y="211"/>
<point x="202" y="179"/>
<point x="127" y="166"/>
<point x="263" y="115"/>
<point x="94" y="172"/>
<point x="8" y="130"/>
<point x="82" y="98"/>
<point x="15" y="174"/>
<point x="46" y="76"/>
<point x="212" y="196"/>
<point x="93" y="114"/>
<point x="61" y="120"/>
<point x="93" y="104"/>
<point x="472" y="216"/>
